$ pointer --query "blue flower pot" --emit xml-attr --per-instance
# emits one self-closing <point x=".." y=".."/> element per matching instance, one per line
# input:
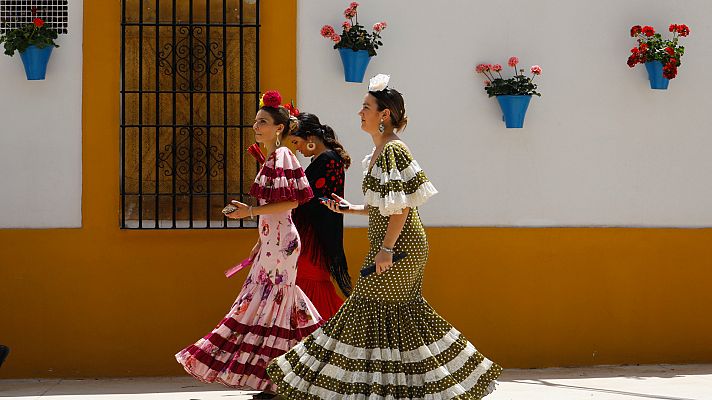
<point x="35" y="60"/>
<point x="655" y="75"/>
<point x="355" y="64"/>
<point x="514" y="109"/>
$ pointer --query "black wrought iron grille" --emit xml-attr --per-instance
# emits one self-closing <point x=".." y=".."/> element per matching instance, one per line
<point x="189" y="93"/>
<point x="17" y="13"/>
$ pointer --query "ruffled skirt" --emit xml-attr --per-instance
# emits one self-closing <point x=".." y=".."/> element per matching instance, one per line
<point x="264" y="322"/>
<point x="379" y="350"/>
<point x="316" y="283"/>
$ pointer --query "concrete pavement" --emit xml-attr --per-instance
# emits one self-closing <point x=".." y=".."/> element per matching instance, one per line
<point x="648" y="382"/>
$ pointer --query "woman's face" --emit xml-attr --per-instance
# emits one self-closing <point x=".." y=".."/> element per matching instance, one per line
<point x="300" y="145"/>
<point x="265" y="129"/>
<point x="370" y="116"/>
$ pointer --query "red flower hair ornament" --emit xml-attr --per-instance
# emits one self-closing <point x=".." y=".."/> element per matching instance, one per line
<point x="293" y="111"/>
<point x="271" y="98"/>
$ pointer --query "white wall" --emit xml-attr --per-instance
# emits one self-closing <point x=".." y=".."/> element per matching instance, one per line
<point x="598" y="148"/>
<point x="41" y="137"/>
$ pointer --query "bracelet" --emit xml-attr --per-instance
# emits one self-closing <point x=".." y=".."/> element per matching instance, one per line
<point x="251" y="216"/>
<point x="387" y="249"/>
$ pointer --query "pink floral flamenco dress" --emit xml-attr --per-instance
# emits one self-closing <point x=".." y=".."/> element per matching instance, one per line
<point x="271" y="314"/>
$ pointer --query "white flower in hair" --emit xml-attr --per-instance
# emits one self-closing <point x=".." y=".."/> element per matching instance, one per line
<point x="378" y="82"/>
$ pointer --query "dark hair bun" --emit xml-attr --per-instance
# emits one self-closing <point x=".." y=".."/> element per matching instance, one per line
<point x="392" y="99"/>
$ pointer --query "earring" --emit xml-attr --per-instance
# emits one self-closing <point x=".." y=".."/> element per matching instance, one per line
<point x="311" y="146"/>
<point x="381" y="127"/>
<point x="278" y="142"/>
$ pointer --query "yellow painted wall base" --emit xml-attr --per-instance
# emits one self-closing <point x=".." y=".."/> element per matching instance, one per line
<point x="101" y="302"/>
<point x="98" y="301"/>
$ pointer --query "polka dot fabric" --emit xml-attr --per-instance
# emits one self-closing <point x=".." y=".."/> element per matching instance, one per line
<point x="386" y="342"/>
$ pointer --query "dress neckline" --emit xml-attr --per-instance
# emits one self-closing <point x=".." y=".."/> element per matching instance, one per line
<point x="372" y="161"/>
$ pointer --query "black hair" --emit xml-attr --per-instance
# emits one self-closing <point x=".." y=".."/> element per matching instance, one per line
<point x="309" y="125"/>
<point x="393" y="100"/>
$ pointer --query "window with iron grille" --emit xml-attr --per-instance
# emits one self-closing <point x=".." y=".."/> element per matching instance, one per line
<point x="17" y="13"/>
<point x="189" y="93"/>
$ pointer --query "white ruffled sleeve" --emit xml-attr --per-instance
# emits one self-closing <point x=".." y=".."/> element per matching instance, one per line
<point x="396" y="181"/>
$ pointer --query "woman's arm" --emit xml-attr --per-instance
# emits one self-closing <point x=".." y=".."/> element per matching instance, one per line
<point x="273" y="208"/>
<point x="358" y="209"/>
<point x="333" y="205"/>
<point x="243" y="210"/>
<point x="384" y="258"/>
<point x="395" y="226"/>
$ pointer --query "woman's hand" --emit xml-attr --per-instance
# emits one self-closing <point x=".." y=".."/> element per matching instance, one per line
<point x="243" y="210"/>
<point x="384" y="261"/>
<point x="333" y="205"/>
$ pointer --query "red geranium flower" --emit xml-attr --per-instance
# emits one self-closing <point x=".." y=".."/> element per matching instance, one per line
<point x="634" y="31"/>
<point x="683" y="30"/>
<point x="673" y="28"/>
<point x="513" y="61"/>
<point x="643" y="47"/>
<point x="350" y="12"/>
<point x="648" y="31"/>
<point x="327" y="31"/>
<point x="38" y="22"/>
<point x="633" y="60"/>
<point x="669" y="71"/>
<point x="380" y="26"/>
<point x="670" y="50"/>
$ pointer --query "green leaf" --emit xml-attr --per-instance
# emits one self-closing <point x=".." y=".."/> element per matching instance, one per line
<point x="21" y="38"/>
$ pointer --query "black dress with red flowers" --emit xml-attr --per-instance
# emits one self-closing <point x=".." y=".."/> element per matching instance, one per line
<point x="322" y="234"/>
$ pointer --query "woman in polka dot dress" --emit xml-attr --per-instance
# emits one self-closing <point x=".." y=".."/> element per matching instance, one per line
<point x="386" y="342"/>
<point x="321" y="230"/>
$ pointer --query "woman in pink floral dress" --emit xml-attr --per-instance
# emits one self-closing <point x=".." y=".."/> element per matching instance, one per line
<point x="271" y="314"/>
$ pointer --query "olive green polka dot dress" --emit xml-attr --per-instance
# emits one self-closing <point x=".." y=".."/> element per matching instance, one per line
<point x="386" y="342"/>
